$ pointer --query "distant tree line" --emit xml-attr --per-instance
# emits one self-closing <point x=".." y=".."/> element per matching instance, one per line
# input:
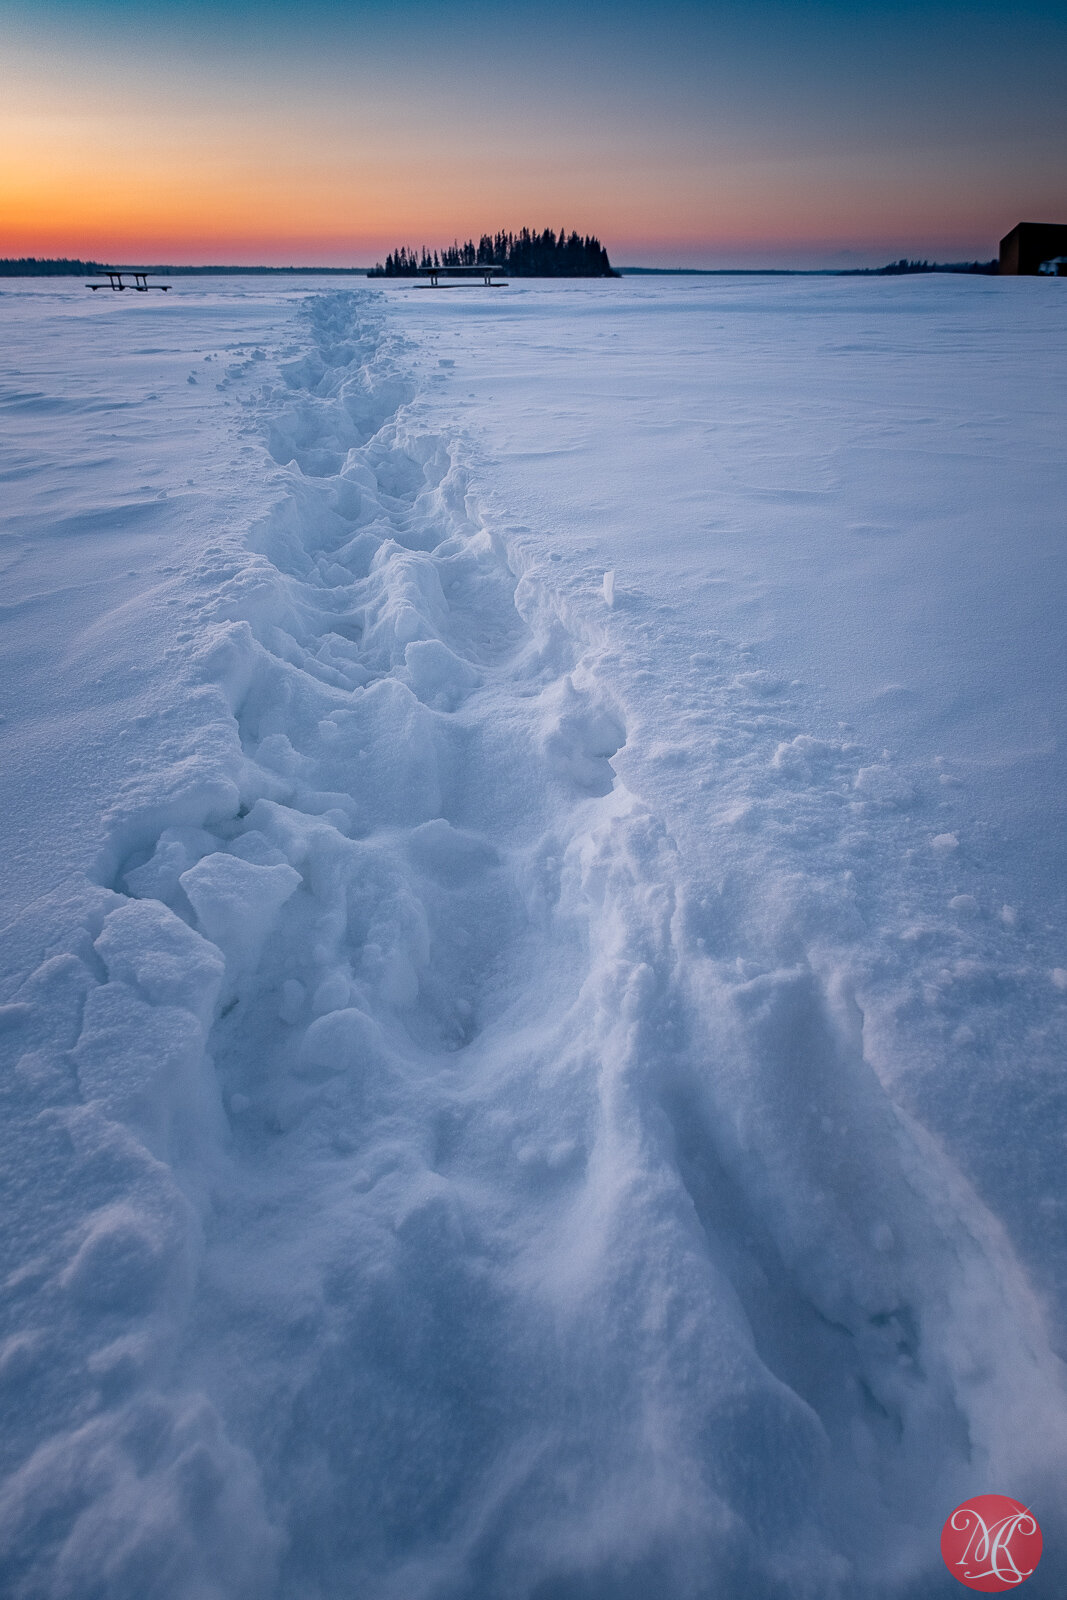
<point x="34" y="267"/>
<point x="61" y="267"/>
<point x="526" y="254"/>
<point x="903" y="266"/>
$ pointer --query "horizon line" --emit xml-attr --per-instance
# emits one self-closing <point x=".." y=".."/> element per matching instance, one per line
<point x="79" y="264"/>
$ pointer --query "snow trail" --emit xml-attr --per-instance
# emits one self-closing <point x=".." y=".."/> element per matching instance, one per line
<point x="461" y="1225"/>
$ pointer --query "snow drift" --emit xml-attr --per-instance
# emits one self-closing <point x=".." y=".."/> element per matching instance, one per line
<point x="412" y="1191"/>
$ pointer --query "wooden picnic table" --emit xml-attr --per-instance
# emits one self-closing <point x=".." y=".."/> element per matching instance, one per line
<point x="485" y="273"/>
<point x="140" y="281"/>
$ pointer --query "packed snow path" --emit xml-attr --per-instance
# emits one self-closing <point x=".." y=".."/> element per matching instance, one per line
<point x="431" y="1181"/>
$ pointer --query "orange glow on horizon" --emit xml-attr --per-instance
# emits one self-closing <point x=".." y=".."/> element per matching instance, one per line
<point x="195" y="235"/>
<point x="66" y="196"/>
<point x="237" y="214"/>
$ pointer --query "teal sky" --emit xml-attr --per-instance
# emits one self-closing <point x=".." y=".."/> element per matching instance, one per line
<point x="769" y="133"/>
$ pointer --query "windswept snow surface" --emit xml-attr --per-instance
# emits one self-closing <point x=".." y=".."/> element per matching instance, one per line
<point x="534" y="1009"/>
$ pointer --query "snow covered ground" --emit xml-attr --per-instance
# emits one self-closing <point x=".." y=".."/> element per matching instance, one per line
<point x="535" y="976"/>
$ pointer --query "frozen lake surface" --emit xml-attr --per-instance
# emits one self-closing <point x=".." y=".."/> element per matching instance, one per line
<point x="534" y="973"/>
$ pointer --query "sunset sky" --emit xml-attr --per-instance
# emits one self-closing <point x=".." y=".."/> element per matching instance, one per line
<point x="776" y="132"/>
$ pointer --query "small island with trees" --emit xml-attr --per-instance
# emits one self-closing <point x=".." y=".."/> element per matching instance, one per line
<point x="526" y="254"/>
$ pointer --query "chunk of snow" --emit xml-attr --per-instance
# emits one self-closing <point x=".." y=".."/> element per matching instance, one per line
<point x="945" y="842"/>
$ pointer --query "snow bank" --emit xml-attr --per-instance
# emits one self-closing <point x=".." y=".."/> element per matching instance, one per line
<point x="418" y="1194"/>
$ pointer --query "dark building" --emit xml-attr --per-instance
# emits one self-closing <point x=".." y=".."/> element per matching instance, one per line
<point x="1026" y="246"/>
